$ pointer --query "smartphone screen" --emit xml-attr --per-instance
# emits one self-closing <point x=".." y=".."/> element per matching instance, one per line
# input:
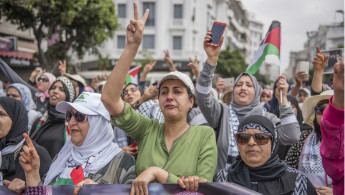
<point x="217" y="32"/>
<point x="335" y="55"/>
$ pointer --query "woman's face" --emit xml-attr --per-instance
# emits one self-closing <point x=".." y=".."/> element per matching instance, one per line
<point x="264" y="97"/>
<point x="14" y="93"/>
<point x="174" y="101"/>
<point x="43" y="83"/>
<point x="320" y="115"/>
<point x="244" y="91"/>
<point x="57" y="93"/>
<point x="252" y="154"/>
<point x="131" y="94"/>
<point x="5" y="122"/>
<point x="78" y="130"/>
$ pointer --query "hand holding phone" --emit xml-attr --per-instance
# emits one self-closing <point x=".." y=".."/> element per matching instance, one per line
<point x="217" y="31"/>
<point x="304" y="67"/>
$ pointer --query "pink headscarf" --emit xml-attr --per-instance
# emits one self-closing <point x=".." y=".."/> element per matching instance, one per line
<point x="44" y="95"/>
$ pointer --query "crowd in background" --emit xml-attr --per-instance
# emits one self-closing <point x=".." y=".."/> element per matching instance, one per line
<point x="280" y="139"/>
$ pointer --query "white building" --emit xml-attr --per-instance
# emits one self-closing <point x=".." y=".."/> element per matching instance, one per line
<point x="326" y="37"/>
<point x="179" y="26"/>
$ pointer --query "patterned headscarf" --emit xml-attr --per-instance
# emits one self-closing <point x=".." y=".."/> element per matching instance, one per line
<point x="273" y="168"/>
<point x="25" y="94"/>
<point x="68" y="87"/>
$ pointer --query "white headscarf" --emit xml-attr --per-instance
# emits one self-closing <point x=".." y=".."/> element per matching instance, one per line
<point x="98" y="144"/>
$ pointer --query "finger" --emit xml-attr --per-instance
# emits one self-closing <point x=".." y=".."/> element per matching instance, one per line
<point x="145" y="16"/>
<point x="190" y="59"/>
<point x="191" y="184"/>
<point x="60" y="62"/>
<point x="28" y="140"/>
<point x="221" y="41"/>
<point x="202" y="181"/>
<point x="22" y="160"/>
<point x="154" y="63"/>
<point x="318" y="49"/>
<point x="196" y="183"/>
<point x="136" y="16"/>
<point x="132" y="190"/>
<point x="6" y="182"/>
<point x="186" y="183"/>
<point x="326" y="59"/>
<point x="196" y="58"/>
<point x="145" y="191"/>
<point x="180" y="183"/>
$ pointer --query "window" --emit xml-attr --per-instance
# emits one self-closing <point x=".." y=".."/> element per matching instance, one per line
<point x="178" y="11"/>
<point x="121" y="10"/>
<point x="149" y="41"/>
<point x="177" y="42"/>
<point x="121" y="41"/>
<point x="151" y="19"/>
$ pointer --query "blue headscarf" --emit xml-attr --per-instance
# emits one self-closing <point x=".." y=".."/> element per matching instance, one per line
<point x="25" y="94"/>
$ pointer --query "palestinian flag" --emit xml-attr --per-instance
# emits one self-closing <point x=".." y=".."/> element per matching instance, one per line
<point x="269" y="47"/>
<point x="132" y="76"/>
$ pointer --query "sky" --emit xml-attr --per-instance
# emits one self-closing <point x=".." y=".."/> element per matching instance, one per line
<point x="297" y="17"/>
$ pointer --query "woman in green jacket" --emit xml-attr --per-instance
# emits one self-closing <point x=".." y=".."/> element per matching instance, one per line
<point x="169" y="150"/>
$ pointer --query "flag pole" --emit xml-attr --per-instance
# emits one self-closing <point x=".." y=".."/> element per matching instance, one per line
<point x="280" y="66"/>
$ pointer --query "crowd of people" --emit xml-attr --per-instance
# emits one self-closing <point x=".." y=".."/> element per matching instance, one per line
<point x="57" y="130"/>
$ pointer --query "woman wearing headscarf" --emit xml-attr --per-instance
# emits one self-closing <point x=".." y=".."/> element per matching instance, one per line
<point x="51" y="131"/>
<point x="305" y="155"/>
<point x="43" y="83"/>
<point x="22" y="93"/>
<point x="169" y="150"/>
<point x="283" y="149"/>
<point x="273" y="104"/>
<point x="13" y="123"/>
<point x="245" y="102"/>
<point x="90" y="150"/>
<point x="258" y="166"/>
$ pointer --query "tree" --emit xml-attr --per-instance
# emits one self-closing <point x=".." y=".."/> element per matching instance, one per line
<point x="230" y="63"/>
<point x="80" y="25"/>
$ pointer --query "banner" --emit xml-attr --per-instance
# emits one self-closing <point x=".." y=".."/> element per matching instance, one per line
<point x="124" y="189"/>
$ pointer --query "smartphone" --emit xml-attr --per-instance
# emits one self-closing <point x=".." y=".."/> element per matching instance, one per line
<point x="217" y="31"/>
<point x="335" y="55"/>
<point x="39" y="68"/>
<point x="229" y="82"/>
<point x="303" y="66"/>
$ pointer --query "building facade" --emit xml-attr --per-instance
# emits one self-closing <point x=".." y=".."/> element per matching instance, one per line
<point x="329" y="36"/>
<point x="180" y="27"/>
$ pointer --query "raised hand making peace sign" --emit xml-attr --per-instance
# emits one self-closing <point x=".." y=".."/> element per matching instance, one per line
<point x="136" y="27"/>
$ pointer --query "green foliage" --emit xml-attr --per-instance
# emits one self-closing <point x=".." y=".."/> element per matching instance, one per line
<point x="148" y="56"/>
<point x="81" y="25"/>
<point x="262" y="78"/>
<point x="103" y="62"/>
<point x="230" y="63"/>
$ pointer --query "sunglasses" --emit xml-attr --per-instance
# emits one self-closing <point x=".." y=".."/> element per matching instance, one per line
<point x="43" y="79"/>
<point x="259" y="138"/>
<point x="319" y="110"/>
<point x="134" y="89"/>
<point x="80" y="117"/>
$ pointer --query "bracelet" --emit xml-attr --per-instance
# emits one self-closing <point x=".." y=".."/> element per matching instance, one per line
<point x="288" y="105"/>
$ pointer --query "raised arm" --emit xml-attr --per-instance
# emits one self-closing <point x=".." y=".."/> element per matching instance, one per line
<point x="299" y="77"/>
<point x="209" y="106"/>
<point x="319" y="63"/>
<point x="193" y="64"/>
<point x="111" y="96"/>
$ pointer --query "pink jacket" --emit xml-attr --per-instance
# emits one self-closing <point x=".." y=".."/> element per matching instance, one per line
<point x="332" y="146"/>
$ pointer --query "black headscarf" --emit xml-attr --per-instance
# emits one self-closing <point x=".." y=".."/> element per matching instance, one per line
<point x="274" y="168"/>
<point x="53" y="115"/>
<point x="17" y="112"/>
<point x="273" y="103"/>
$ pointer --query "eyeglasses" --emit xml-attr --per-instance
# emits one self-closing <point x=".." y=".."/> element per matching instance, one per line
<point x="319" y="110"/>
<point x="259" y="138"/>
<point x="134" y="89"/>
<point x="80" y="117"/>
<point x="43" y="79"/>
